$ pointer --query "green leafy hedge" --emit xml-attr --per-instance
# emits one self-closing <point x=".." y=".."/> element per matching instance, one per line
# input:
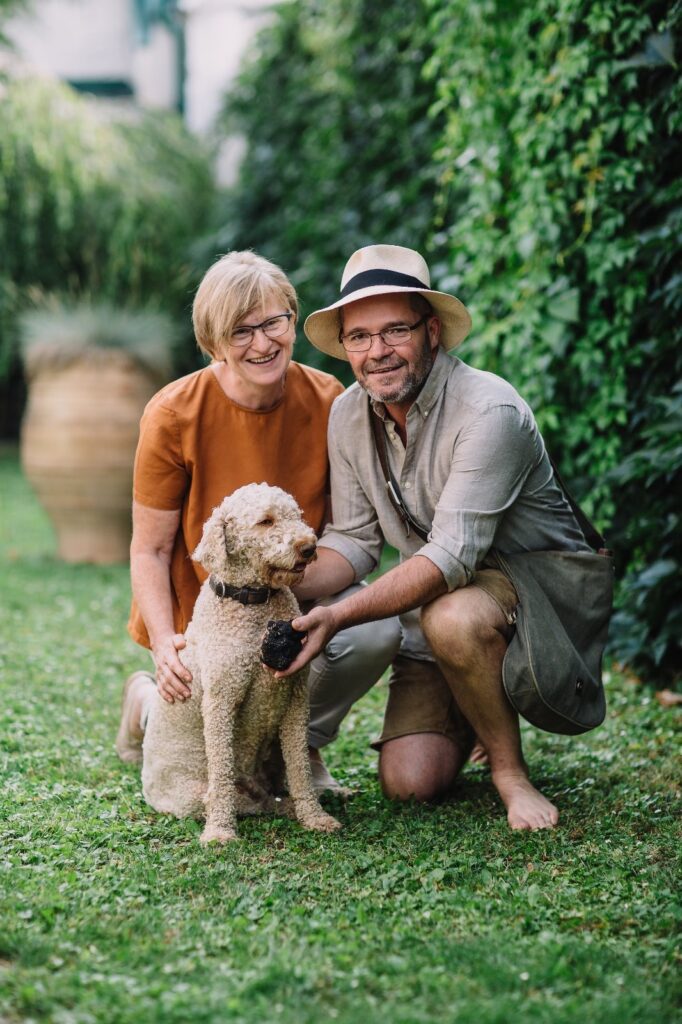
<point x="532" y="150"/>
<point x="93" y="206"/>
<point x="561" y="201"/>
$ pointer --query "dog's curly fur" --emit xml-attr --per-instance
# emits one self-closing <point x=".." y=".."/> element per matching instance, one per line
<point x="209" y="754"/>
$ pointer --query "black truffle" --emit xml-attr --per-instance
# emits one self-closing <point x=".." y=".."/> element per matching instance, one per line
<point x="281" y="644"/>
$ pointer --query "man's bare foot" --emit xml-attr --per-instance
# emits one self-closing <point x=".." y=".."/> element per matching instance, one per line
<point x="479" y="755"/>
<point x="526" y="807"/>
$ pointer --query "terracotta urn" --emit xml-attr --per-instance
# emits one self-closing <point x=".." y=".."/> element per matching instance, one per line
<point x="78" y="440"/>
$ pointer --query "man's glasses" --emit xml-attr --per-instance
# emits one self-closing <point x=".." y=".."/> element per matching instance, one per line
<point x="273" y="327"/>
<point x="396" y="334"/>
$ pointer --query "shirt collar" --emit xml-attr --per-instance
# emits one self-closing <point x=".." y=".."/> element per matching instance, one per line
<point x="435" y="382"/>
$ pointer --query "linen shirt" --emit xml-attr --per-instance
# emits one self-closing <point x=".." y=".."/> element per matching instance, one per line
<point x="474" y="473"/>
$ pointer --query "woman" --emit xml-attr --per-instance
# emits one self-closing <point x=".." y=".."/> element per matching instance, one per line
<point x="252" y="415"/>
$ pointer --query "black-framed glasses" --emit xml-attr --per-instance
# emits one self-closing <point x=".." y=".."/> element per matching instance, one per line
<point x="396" y="334"/>
<point x="273" y="327"/>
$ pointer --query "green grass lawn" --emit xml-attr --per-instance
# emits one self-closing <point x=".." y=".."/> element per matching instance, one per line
<point x="112" y="913"/>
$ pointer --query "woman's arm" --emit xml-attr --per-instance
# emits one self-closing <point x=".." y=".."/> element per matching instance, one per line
<point x="154" y="533"/>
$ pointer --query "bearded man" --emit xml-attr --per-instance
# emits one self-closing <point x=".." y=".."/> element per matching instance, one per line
<point x="465" y="474"/>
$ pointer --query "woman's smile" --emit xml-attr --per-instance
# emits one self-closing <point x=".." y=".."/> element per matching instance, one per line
<point x="262" y="360"/>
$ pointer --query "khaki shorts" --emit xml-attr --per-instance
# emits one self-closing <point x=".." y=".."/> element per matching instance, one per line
<point x="419" y="698"/>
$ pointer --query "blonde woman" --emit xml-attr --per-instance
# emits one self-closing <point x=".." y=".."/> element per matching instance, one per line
<point x="252" y="415"/>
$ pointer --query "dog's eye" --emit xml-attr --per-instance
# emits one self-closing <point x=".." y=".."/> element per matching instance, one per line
<point x="266" y="521"/>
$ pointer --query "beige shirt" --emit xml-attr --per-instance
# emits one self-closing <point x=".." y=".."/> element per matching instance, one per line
<point x="474" y="473"/>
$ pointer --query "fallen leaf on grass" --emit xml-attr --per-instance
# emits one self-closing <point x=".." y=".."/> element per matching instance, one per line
<point x="668" y="698"/>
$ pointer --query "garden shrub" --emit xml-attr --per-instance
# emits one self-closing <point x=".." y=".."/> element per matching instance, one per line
<point x="561" y="200"/>
<point x="335" y="111"/>
<point x="93" y="206"/>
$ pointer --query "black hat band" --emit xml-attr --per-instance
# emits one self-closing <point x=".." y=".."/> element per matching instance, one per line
<point x="371" y="278"/>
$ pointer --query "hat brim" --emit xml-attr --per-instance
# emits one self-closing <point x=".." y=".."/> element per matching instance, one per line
<point x="322" y="326"/>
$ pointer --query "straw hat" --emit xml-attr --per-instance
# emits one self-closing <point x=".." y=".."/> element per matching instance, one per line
<point x="385" y="270"/>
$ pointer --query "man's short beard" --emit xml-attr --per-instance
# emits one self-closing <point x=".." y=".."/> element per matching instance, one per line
<point x="410" y="387"/>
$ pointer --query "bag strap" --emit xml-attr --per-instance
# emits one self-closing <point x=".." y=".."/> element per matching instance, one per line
<point x="592" y="535"/>
<point x="392" y="487"/>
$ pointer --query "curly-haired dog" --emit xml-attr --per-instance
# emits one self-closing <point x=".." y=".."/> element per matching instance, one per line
<point x="209" y="754"/>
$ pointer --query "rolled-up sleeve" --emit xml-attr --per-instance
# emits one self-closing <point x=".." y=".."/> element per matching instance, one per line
<point x="491" y="460"/>
<point x="354" y="531"/>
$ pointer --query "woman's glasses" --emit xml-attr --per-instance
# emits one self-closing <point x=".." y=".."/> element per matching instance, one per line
<point x="273" y="327"/>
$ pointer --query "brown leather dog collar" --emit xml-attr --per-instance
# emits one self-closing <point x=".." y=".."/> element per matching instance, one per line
<point x="245" y="595"/>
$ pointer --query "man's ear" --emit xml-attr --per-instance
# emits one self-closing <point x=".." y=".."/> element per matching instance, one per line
<point x="434" y="326"/>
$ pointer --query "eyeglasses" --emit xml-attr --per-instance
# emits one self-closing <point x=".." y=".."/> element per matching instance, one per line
<point x="396" y="334"/>
<point x="273" y="327"/>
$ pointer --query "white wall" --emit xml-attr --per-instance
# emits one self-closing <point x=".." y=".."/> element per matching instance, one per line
<point x="217" y="35"/>
<point x="98" y="39"/>
<point x="76" y="39"/>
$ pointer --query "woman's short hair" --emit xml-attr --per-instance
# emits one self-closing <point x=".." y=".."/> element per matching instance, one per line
<point x="235" y="284"/>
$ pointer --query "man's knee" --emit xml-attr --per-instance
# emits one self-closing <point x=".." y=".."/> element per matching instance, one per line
<point x="404" y="787"/>
<point x="461" y="625"/>
<point x="420" y="766"/>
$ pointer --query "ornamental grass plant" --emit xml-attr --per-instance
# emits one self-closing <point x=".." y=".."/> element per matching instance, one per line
<point x="59" y="332"/>
<point x="112" y="913"/>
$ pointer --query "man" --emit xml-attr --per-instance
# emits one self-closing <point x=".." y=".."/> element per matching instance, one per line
<point x="471" y="466"/>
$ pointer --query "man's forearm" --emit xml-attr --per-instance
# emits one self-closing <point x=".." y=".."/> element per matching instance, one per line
<point x="410" y="585"/>
<point x="327" y="575"/>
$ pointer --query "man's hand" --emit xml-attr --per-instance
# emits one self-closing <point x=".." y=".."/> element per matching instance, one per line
<point x="172" y="678"/>
<point x="320" y="625"/>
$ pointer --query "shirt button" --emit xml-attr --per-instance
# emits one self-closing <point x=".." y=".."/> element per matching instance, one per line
<point x="407" y="485"/>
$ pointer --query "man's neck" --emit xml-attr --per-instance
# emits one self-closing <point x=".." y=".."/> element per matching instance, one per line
<point x="398" y="414"/>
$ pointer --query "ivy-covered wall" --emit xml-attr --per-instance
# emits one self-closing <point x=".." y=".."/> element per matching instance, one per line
<point x="531" y="150"/>
<point x="562" y="201"/>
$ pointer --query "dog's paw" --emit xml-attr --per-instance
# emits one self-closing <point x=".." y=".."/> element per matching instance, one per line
<point x="320" y="822"/>
<point x="216" y="834"/>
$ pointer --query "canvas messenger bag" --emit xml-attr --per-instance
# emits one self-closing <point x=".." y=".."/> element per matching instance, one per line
<point x="552" y="669"/>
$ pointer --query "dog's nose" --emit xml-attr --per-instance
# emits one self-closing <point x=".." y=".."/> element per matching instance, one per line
<point x="308" y="551"/>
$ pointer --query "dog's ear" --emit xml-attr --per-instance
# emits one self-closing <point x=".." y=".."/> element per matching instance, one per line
<point x="215" y="544"/>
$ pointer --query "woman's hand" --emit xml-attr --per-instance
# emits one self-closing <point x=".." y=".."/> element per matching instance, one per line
<point x="320" y="624"/>
<point x="172" y="678"/>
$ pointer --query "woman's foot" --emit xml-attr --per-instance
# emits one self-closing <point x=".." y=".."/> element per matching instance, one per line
<point x="526" y="807"/>
<point x="130" y="734"/>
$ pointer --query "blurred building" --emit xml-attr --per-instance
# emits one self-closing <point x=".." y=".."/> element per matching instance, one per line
<point x="165" y="54"/>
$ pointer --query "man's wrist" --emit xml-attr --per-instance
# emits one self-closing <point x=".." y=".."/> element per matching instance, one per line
<point x="339" y="615"/>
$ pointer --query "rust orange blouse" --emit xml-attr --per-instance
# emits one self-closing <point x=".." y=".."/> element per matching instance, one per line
<point x="196" y="446"/>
